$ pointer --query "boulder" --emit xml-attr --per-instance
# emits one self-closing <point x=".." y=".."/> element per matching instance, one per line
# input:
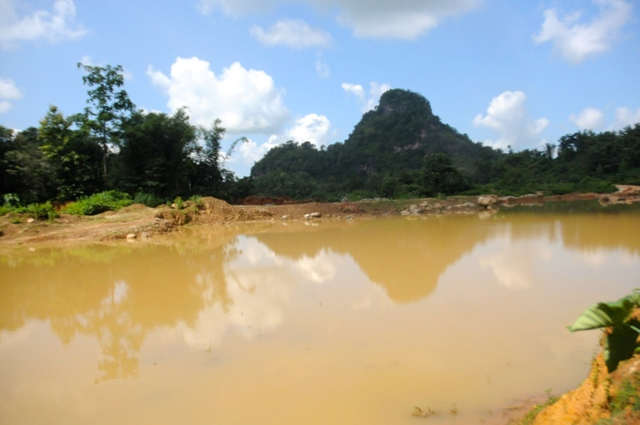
<point x="487" y="200"/>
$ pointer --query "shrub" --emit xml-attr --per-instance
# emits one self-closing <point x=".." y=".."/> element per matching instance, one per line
<point x="111" y="200"/>
<point x="44" y="211"/>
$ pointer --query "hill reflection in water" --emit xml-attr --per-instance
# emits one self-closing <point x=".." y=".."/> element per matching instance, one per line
<point x="342" y="284"/>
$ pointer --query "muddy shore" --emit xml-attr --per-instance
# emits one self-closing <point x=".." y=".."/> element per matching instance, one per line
<point x="143" y="223"/>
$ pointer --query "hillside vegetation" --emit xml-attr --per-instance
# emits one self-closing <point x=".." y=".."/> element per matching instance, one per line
<point x="401" y="149"/>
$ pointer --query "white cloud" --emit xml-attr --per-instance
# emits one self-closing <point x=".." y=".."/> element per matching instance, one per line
<point x="322" y="69"/>
<point x="246" y="101"/>
<point x="625" y="117"/>
<point x="407" y="19"/>
<point x="293" y="33"/>
<point x="588" y="119"/>
<point x="354" y="89"/>
<point x="312" y="128"/>
<point x="8" y="92"/>
<point x="508" y="117"/>
<point x="575" y="41"/>
<point x="375" y="91"/>
<point x="41" y="25"/>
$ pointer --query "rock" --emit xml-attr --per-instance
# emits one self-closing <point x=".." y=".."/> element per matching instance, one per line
<point x="284" y="217"/>
<point x="312" y="215"/>
<point x="146" y="235"/>
<point x="413" y="209"/>
<point x="30" y="220"/>
<point x="131" y="236"/>
<point x="487" y="200"/>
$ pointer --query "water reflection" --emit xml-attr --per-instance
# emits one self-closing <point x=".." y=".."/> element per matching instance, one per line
<point x="208" y="288"/>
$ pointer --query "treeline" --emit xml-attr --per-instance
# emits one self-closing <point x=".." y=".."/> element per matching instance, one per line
<point x="111" y="145"/>
<point x="399" y="150"/>
<point x="402" y="150"/>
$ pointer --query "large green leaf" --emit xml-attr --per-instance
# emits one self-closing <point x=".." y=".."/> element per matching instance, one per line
<point x="619" y="345"/>
<point x="602" y="315"/>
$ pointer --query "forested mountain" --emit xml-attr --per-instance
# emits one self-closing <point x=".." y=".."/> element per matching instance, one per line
<point x="383" y="155"/>
<point x="401" y="149"/>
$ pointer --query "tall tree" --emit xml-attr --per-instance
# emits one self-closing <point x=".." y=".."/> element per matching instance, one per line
<point x="108" y="107"/>
<point x="156" y="154"/>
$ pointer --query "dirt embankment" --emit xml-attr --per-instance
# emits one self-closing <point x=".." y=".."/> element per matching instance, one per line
<point x="141" y="222"/>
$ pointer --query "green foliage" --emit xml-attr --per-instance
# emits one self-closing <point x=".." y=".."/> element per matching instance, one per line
<point x="108" y="107"/>
<point x="627" y="396"/>
<point x="43" y="211"/>
<point x="178" y="202"/>
<point x="620" y="342"/>
<point x="111" y="200"/>
<point x="196" y="200"/>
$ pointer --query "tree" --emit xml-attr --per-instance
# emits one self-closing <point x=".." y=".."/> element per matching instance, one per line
<point x="156" y="154"/>
<point x="440" y="176"/>
<point x="108" y="107"/>
<point x="70" y="154"/>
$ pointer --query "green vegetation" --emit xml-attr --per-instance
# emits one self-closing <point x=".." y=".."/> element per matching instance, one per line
<point x="622" y="329"/>
<point x="100" y="202"/>
<point x="400" y="150"/>
<point x="531" y="415"/>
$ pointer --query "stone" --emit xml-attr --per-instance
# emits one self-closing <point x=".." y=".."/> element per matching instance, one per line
<point x="131" y="236"/>
<point x="487" y="200"/>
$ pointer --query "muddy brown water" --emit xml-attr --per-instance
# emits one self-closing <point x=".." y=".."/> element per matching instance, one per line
<point x="310" y="323"/>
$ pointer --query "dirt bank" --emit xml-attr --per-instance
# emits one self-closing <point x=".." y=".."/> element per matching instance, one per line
<point x="141" y="222"/>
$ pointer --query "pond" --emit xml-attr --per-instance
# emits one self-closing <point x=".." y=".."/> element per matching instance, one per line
<point x="330" y="322"/>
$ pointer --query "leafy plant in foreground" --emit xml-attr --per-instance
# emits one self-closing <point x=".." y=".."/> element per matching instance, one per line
<point x="621" y="330"/>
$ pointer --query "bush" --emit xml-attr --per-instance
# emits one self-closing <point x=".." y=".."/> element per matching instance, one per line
<point x="111" y="200"/>
<point x="44" y="211"/>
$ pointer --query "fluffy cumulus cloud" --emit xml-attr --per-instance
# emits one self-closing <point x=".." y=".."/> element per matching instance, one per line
<point x="507" y="115"/>
<point x="588" y="119"/>
<point x="368" y="102"/>
<point x="312" y="128"/>
<point x="246" y="100"/>
<point x="594" y="119"/>
<point x="8" y="93"/>
<point x="293" y="33"/>
<point x="574" y="40"/>
<point x="53" y="26"/>
<point x="625" y="117"/>
<point x="406" y="19"/>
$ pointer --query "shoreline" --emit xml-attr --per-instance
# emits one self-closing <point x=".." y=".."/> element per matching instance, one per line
<point x="140" y="222"/>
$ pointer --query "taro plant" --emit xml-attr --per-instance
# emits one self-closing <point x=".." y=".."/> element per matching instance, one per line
<point x="622" y="329"/>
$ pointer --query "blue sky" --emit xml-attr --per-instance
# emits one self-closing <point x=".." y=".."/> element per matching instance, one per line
<point x="506" y="73"/>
